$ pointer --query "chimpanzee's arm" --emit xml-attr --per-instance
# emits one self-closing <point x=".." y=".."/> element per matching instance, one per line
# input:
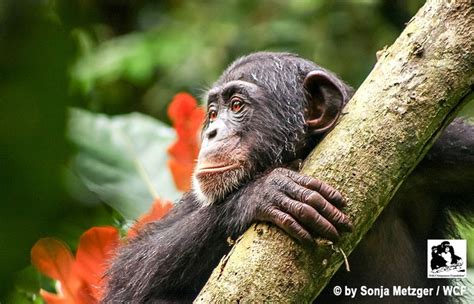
<point x="447" y="171"/>
<point x="171" y="259"/>
<point x="302" y="206"/>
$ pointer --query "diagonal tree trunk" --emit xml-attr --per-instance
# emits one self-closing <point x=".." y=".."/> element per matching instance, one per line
<point x="413" y="92"/>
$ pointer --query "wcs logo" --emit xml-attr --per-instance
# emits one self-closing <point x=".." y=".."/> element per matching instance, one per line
<point x="446" y="259"/>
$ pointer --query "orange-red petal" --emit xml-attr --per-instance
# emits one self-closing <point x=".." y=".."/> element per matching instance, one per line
<point x="53" y="258"/>
<point x="96" y="247"/>
<point x="158" y="209"/>
<point x="187" y="118"/>
<point x="51" y="298"/>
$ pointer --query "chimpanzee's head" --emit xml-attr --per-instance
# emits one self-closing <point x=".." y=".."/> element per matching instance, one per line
<point x="265" y="110"/>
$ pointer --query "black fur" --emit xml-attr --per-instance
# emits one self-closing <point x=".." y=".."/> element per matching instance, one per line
<point x="171" y="259"/>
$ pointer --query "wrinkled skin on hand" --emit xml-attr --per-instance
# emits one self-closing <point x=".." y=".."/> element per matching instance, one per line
<point x="302" y="206"/>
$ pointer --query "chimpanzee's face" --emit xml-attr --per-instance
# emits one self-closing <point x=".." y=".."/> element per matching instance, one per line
<point x="260" y="114"/>
<point x="237" y="120"/>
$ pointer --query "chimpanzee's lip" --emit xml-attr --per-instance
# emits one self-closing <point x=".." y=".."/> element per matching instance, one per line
<point x="216" y="168"/>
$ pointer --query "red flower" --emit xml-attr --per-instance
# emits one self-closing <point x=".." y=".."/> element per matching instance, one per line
<point x="187" y="119"/>
<point x="80" y="279"/>
<point x="157" y="211"/>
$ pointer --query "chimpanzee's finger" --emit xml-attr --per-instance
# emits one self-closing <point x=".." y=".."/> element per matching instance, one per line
<point x="310" y="218"/>
<point x="318" y="202"/>
<point x="328" y="192"/>
<point x="288" y="224"/>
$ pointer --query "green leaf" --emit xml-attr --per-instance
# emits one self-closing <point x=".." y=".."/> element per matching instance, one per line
<point x="123" y="159"/>
<point x="26" y="287"/>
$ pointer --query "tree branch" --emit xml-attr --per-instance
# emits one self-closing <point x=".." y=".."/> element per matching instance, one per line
<point x="413" y="92"/>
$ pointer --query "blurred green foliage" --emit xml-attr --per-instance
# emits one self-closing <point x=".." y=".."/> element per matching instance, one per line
<point x="118" y="56"/>
<point x="159" y="48"/>
<point x="122" y="159"/>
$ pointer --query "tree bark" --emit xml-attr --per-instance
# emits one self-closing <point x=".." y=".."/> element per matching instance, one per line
<point x="413" y="92"/>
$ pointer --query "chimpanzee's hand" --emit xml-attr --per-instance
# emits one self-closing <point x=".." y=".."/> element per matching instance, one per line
<point x="300" y="205"/>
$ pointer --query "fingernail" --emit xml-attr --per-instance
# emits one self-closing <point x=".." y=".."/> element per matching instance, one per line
<point x="335" y="237"/>
<point x="344" y="202"/>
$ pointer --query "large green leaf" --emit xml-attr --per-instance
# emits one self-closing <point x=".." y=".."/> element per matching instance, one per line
<point x="123" y="159"/>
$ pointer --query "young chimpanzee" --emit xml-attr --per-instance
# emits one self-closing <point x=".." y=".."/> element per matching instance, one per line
<point x="266" y="111"/>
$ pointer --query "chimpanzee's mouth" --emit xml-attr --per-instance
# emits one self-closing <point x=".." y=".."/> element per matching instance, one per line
<point x="215" y="168"/>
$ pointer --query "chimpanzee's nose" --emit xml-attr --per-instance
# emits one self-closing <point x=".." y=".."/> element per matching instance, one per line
<point x="210" y="134"/>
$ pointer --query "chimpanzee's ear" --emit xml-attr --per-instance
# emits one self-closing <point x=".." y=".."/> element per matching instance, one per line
<point x="325" y="95"/>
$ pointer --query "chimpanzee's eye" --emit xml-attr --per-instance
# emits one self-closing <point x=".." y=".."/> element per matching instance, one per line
<point x="236" y="104"/>
<point x="212" y="115"/>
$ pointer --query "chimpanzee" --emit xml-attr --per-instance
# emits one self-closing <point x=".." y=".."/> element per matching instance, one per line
<point x="266" y="112"/>
<point x="437" y="260"/>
